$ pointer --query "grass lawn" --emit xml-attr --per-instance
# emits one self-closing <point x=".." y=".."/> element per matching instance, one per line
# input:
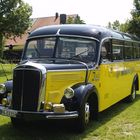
<point x="119" y="122"/>
<point x="6" y="71"/>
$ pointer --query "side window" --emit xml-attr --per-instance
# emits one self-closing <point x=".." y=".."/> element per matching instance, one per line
<point x="106" y="51"/>
<point x="139" y="50"/>
<point x="117" y="49"/>
<point x="136" y="50"/>
<point x="128" y="50"/>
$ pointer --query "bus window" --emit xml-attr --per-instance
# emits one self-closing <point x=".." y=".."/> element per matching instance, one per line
<point x="106" y="51"/>
<point x="117" y="49"/>
<point x="128" y="50"/>
<point x="136" y="50"/>
<point x="139" y="50"/>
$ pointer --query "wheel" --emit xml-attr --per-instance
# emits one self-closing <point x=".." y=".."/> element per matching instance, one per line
<point x="84" y="117"/>
<point x="0" y="99"/>
<point x="132" y="96"/>
<point x="16" y="122"/>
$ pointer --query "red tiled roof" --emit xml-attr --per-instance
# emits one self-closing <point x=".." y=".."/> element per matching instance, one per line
<point x="39" y="22"/>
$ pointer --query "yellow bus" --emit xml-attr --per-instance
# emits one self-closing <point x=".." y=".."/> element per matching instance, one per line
<point x="71" y="72"/>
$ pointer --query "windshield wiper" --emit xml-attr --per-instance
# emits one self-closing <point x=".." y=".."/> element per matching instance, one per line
<point x="79" y="55"/>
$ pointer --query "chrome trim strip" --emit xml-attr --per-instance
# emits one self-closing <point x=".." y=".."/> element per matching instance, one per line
<point x="31" y="69"/>
<point x="100" y="45"/>
<point x="42" y="91"/>
<point x="21" y="104"/>
<point x="47" y="115"/>
<point x="70" y="70"/>
<point x="62" y="70"/>
<point x="62" y="116"/>
<point x="62" y="35"/>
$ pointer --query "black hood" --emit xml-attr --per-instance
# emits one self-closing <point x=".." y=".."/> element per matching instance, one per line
<point x="59" y="64"/>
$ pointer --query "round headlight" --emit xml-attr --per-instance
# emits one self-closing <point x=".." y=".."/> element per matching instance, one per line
<point x="69" y="93"/>
<point x="2" y="88"/>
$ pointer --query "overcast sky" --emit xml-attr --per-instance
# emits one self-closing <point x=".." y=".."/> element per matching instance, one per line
<point x="98" y="12"/>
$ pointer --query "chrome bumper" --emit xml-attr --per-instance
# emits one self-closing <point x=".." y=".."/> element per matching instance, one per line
<point x="29" y="115"/>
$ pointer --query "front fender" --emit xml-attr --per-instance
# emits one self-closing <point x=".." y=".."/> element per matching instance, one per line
<point x="9" y="86"/>
<point x="82" y="91"/>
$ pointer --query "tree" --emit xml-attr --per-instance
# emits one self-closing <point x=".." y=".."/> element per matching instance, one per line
<point x="14" y="19"/>
<point x="116" y="25"/>
<point x="134" y="23"/>
<point x="124" y="26"/>
<point x="75" y="20"/>
<point x="70" y="20"/>
<point x="109" y="25"/>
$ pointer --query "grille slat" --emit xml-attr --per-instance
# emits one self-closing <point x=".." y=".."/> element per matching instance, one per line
<point x="26" y="84"/>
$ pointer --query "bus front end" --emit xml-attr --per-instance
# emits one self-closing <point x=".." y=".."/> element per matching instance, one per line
<point x="54" y="78"/>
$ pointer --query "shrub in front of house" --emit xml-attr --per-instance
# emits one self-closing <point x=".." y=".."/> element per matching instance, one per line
<point x="13" y="55"/>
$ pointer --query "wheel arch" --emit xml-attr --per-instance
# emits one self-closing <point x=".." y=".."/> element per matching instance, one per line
<point x="88" y="91"/>
<point x="136" y="81"/>
<point x="82" y="92"/>
<point x="93" y="101"/>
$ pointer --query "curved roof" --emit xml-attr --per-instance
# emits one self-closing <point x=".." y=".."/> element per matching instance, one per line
<point x="85" y="30"/>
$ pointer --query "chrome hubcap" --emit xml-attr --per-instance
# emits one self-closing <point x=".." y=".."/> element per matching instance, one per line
<point x="87" y="113"/>
<point x="134" y="93"/>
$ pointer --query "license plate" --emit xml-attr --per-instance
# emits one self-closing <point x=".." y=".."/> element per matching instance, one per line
<point x="9" y="113"/>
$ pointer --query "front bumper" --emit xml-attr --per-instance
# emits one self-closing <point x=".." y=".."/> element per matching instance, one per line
<point x="29" y="115"/>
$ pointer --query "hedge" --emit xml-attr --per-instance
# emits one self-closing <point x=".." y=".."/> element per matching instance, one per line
<point x="12" y="56"/>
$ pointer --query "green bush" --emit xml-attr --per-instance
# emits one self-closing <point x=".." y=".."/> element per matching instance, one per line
<point x="13" y="55"/>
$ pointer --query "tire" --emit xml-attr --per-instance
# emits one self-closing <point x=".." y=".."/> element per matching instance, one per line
<point x="84" y="117"/>
<point x="16" y="122"/>
<point x="132" y="96"/>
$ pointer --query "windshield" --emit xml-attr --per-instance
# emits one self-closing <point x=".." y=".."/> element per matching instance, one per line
<point x="62" y="48"/>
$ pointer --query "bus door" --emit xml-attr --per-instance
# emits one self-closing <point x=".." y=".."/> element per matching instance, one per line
<point x="118" y="70"/>
<point x="110" y="72"/>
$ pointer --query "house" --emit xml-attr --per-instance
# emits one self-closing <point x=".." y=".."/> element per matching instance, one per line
<point x="36" y="23"/>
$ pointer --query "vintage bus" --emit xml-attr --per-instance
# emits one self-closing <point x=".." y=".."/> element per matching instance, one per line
<point x="71" y="72"/>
